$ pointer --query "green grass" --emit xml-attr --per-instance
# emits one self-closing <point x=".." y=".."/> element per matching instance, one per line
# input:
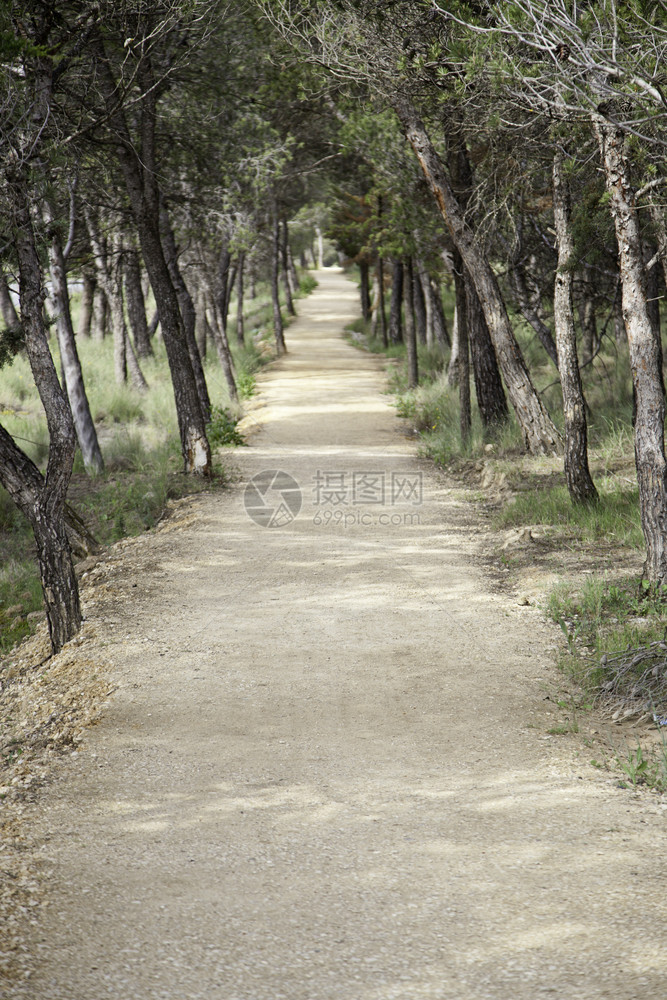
<point x="614" y="519"/>
<point x="221" y="429"/>
<point x="138" y="435"/>
<point x="20" y="589"/>
<point x="615" y="631"/>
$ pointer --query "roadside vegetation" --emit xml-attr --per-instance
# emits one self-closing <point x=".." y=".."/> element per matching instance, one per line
<point x="139" y="439"/>
<point x="614" y="628"/>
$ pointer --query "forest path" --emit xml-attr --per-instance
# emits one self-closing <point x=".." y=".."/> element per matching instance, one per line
<point x="325" y="773"/>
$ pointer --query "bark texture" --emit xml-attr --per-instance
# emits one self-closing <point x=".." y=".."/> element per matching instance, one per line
<point x="364" y="289"/>
<point x="395" y="309"/>
<point x="44" y="508"/>
<point x="136" y="304"/>
<point x="240" y="278"/>
<point x="86" y="307"/>
<point x="539" y="433"/>
<point x="187" y="310"/>
<point x="275" y="289"/>
<point x="410" y="329"/>
<point x="488" y="383"/>
<point x="284" y="257"/>
<point x="69" y="357"/>
<point x="577" y="473"/>
<point x="644" y="349"/>
<point x="463" y="354"/>
<point x="140" y="174"/>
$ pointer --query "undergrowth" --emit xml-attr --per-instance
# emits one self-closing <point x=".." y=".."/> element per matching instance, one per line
<point x="139" y="438"/>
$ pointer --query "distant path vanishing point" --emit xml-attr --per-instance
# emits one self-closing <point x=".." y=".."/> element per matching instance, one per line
<point x="325" y="774"/>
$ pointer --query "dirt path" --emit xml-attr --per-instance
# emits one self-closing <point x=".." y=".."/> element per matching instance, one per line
<point x="325" y="774"/>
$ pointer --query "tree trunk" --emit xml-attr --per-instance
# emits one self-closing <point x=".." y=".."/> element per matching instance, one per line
<point x="577" y="474"/>
<point x="320" y="248"/>
<point x="203" y="330"/>
<point x="395" y="318"/>
<point x="410" y="332"/>
<point x="109" y="278"/>
<point x="439" y="322"/>
<point x="69" y="358"/>
<point x="649" y="430"/>
<point x="530" y="314"/>
<point x="463" y="354"/>
<point x="240" y="330"/>
<point x="364" y="290"/>
<point x="291" y="269"/>
<point x="7" y="307"/>
<point x="100" y="315"/>
<point x="285" y="268"/>
<point x="426" y="299"/>
<point x="539" y="433"/>
<point x="86" y="308"/>
<point x="275" y="291"/>
<point x="375" y="300"/>
<point x="380" y="305"/>
<point x="453" y="366"/>
<point x="224" y="353"/>
<point x="488" y="384"/>
<point x="136" y="305"/>
<point x="140" y="175"/>
<point x="44" y="508"/>
<point x="187" y="310"/>
<point x="420" y="306"/>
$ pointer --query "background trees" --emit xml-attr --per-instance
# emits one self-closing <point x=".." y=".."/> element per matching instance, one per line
<point x="163" y="158"/>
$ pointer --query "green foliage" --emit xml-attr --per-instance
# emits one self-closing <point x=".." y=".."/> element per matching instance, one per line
<point x="11" y="341"/>
<point x="645" y="767"/>
<point x="615" y="518"/>
<point x="20" y="589"/>
<point x="307" y="284"/>
<point x="615" y="637"/>
<point x="246" y="384"/>
<point x="222" y="430"/>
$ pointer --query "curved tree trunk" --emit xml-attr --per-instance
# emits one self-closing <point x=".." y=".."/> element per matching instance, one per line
<point x="69" y="357"/>
<point x="539" y="433"/>
<point x="224" y="353"/>
<point x="110" y="280"/>
<point x="529" y="312"/>
<point x="45" y="507"/>
<point x="488" y="384"/>
<point x="140" y="175"/>
<point x="577" y="474"/>
<point x="187" y="310"/>
<point x="645" y="354"/>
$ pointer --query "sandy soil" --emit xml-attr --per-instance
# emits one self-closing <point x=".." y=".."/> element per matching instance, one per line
<point x="325" y="772"/>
